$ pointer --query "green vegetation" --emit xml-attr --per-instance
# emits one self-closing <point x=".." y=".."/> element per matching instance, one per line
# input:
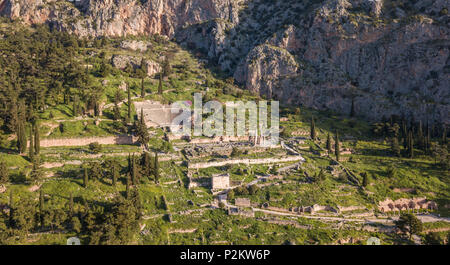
<point x="138" y="194"/>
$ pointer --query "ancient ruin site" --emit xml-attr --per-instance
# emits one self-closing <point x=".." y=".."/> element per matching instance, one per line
<point x="88" y="150"/>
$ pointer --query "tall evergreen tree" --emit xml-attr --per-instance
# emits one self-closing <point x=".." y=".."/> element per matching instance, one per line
<point x="146" y="164"/>
<point x="404" y="134"/>
<point x="37" y="141"/>
<point x="21" y="137"/>
<point x="337" y="150"/>
<point x="142" y="130"/>
<point x="313" y="129"/>
<point x="411" y="145"/>
<point x="31" y="146"/>
<point x="142" y="88"/>
<point x="444" y="136"/>
<point x="420" y="137"/>
<point x="329" y="144"/>
<point x="141" y="118"/>
<point x="133" y="171"/>
<point x="129" y="163"/>
<point x="160" y="85"/>
<point x="36" y="172"/>
<point x="71" y="209"/>
<point x="129" y="102"/>
<point x="128" y="184"/>
<point x="352" y="109"/>
<point x="365" y="181"/>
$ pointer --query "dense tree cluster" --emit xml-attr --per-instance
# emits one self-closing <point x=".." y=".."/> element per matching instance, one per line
<point x="108" y="223"/>
<point x="42" y="68"/>
<point x="414" y="137"/>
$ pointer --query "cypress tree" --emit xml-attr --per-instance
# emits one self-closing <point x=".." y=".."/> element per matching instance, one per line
<point x="142" y="88"/>
<point x="37" y="141"/>
<point x="329" y="144"/>
<point x="160" y="85"/>
<point x="404" y="134"/>
<point x="337" y="150"/>
<point x="146" y="163"/>
<point x="411" y="145"/>
<point x="444" y="136"/>
<point x="129" y="102"/>
<point x="71" y="205"/>
<point x="141" y="120"/>
<point x="21" y="137"/>
<point x="35" y="172"/>
<point x="85" y="178"/>
<point x="128" y="186"/>
<point x="133" y="171"/>
<point x="313" y="129"/>
<point x="115" y="175"/>
<point x="420" y="137"/>
<point x="365" y="181"/>
<point x="31" y="147"/>
<point x="129" y="163"/>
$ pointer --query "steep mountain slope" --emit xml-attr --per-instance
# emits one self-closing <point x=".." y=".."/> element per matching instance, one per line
<point x="390" y="57"/>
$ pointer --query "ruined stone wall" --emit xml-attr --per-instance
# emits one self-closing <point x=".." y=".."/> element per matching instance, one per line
<point x="245" y="161"/>
<point x="119" y="139"/>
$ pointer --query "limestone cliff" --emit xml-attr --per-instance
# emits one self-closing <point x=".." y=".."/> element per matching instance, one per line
<point x="390" y="56"/>
<point x="117" y="17"/>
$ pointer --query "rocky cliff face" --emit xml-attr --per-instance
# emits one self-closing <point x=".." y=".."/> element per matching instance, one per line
<point x="389" y="56"/>
<point x="117" y="17"/>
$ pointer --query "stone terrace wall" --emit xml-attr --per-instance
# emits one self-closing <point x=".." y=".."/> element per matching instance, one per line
<point x="82" y="141"/>
<point x="245" y="161"/>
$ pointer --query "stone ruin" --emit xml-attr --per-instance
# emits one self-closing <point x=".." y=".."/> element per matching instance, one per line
<point x="240" y="212"/>
<point x="303" y="209"/>
<point x="315" y="208"/>
<point x="156" y="114"/>
<point x="242" y="202"/>
<point x="220" y="182"/>
<point x="406" y="204"/>
<point x="220" y="149"/>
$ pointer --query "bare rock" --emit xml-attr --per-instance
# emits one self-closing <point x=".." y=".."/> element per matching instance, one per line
<point x="134" y="45"/>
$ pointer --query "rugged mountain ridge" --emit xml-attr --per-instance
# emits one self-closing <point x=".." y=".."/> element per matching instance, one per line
<point x="117" y="17"/>
<point x="388" y="57"/>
